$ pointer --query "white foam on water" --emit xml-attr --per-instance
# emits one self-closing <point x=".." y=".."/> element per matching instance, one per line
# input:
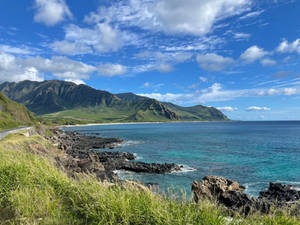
<point x="124" y="174"/>
<point x="250" y="187"/>
<point x="295" y="184"/>
<point x="137" y="157"/>
<point x="185" y="169"/>
<point x="128" y="143"/>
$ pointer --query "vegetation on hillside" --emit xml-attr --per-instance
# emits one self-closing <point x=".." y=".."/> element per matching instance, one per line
<point x="34" y="191"/>
<point x="13" y="114"/>
<point x="66" y="100"/>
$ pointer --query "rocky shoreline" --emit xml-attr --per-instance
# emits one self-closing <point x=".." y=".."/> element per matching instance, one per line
<point x="87" y="155"/>
<point x="231" y="195"/>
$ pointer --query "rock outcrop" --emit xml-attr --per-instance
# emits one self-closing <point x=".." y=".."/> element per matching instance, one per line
<point x="85" y="157"/>
<point x="231" y="194"/>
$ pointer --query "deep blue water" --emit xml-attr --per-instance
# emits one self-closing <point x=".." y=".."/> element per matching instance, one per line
<point x="253" y="153"/>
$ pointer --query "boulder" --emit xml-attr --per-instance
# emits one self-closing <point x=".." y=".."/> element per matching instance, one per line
<point x="280" y="193"/>
<point x="211" y="187"/>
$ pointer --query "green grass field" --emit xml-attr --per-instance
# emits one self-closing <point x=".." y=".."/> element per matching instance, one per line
<point x="34" y="191"/>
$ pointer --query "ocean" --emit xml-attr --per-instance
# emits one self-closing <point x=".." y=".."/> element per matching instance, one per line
<point x="252" y="153"/>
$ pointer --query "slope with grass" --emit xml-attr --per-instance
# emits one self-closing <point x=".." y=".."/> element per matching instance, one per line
<point x="13" y="115"/>
<point x="65" y="100"/>
<point x="34" y="191"/>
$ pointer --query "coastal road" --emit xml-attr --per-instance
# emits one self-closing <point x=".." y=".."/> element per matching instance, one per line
<point x="4" y="133"/>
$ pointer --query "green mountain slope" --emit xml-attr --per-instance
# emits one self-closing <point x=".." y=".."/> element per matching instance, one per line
<point x="13" y="114"/>
<point x="60" y="99"/>
<point x="198" y="112"/>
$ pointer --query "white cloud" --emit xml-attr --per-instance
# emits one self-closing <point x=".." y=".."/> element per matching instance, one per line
<point x="169" y="97"/>
<point x="70" y="48"/>
<point x="146" y="84"/>
<point x="257" y="108"/>
<point x="203" y="79"/>
<point x="268" y="62"/>
<point x="227" y="109"/>
<point x="15" y="50"/>
<point x="171" y="16"/>
<point x="241" y="36"/>
<point x="216" y="93"/>
<point x="289" y="91"/>
<point x="111" y="70"/>
<point x="161" y="61"/>
<point x="101" y="38"/>
<point x="75" y="81"/>
<point x="252" y="14"/>
<point x="60" y="66"/>
<point x="153" y="86"/>
<point x="51" y="12"/>
<point x="253" y="53"/>
<point x="14" y="68"/>
<point x="164" y="68"/>
<point x="286" y="47"/>
<point x="213" y="62"/>
<point x="157" y="56"/>
<point x="11" y="70"/>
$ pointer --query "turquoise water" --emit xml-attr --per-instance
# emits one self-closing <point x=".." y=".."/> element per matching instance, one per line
<point x="253" y="153"/>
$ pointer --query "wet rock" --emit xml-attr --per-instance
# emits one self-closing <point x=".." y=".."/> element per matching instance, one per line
<point x="141" y="167"/>
<point x="280" y="192"/>
<point x="230" y="194"/>
<point x="102" y="163"/>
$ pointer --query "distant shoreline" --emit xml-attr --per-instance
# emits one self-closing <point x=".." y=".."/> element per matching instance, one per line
<point x="128" y="123"/>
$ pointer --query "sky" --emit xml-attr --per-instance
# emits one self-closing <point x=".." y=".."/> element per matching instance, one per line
<point x="240" y="56"/>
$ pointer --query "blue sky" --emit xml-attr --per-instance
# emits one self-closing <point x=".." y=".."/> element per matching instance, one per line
<point x="241" y="56"/>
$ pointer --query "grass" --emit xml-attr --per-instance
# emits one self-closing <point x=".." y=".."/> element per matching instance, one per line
<point x="34" y="191"/>
<point x="13" y="115"/>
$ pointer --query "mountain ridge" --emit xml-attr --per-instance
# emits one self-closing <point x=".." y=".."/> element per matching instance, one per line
<point x="55" y="98"/>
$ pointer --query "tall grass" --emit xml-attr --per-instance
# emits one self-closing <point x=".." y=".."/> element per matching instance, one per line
<point x="33" y="191"/>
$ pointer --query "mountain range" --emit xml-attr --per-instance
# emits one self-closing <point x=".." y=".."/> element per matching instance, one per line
<point x="62" y="99"/>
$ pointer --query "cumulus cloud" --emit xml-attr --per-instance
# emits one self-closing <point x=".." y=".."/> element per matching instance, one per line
<point x="14" y="68"/>
<point x="101" y="38"/>
<point x="171" y="16"/>
<point x="253" y="53"/>
<point x="60" y="66"/>
<point x="286" y="47"/>
<point x="111" y="70"/>
<point x="257" y="108"/>
<point x="227" y="109"/>
<point x="268" y="62"/>
<point x="51" y="12"/>
<point x="213" y="62"/>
